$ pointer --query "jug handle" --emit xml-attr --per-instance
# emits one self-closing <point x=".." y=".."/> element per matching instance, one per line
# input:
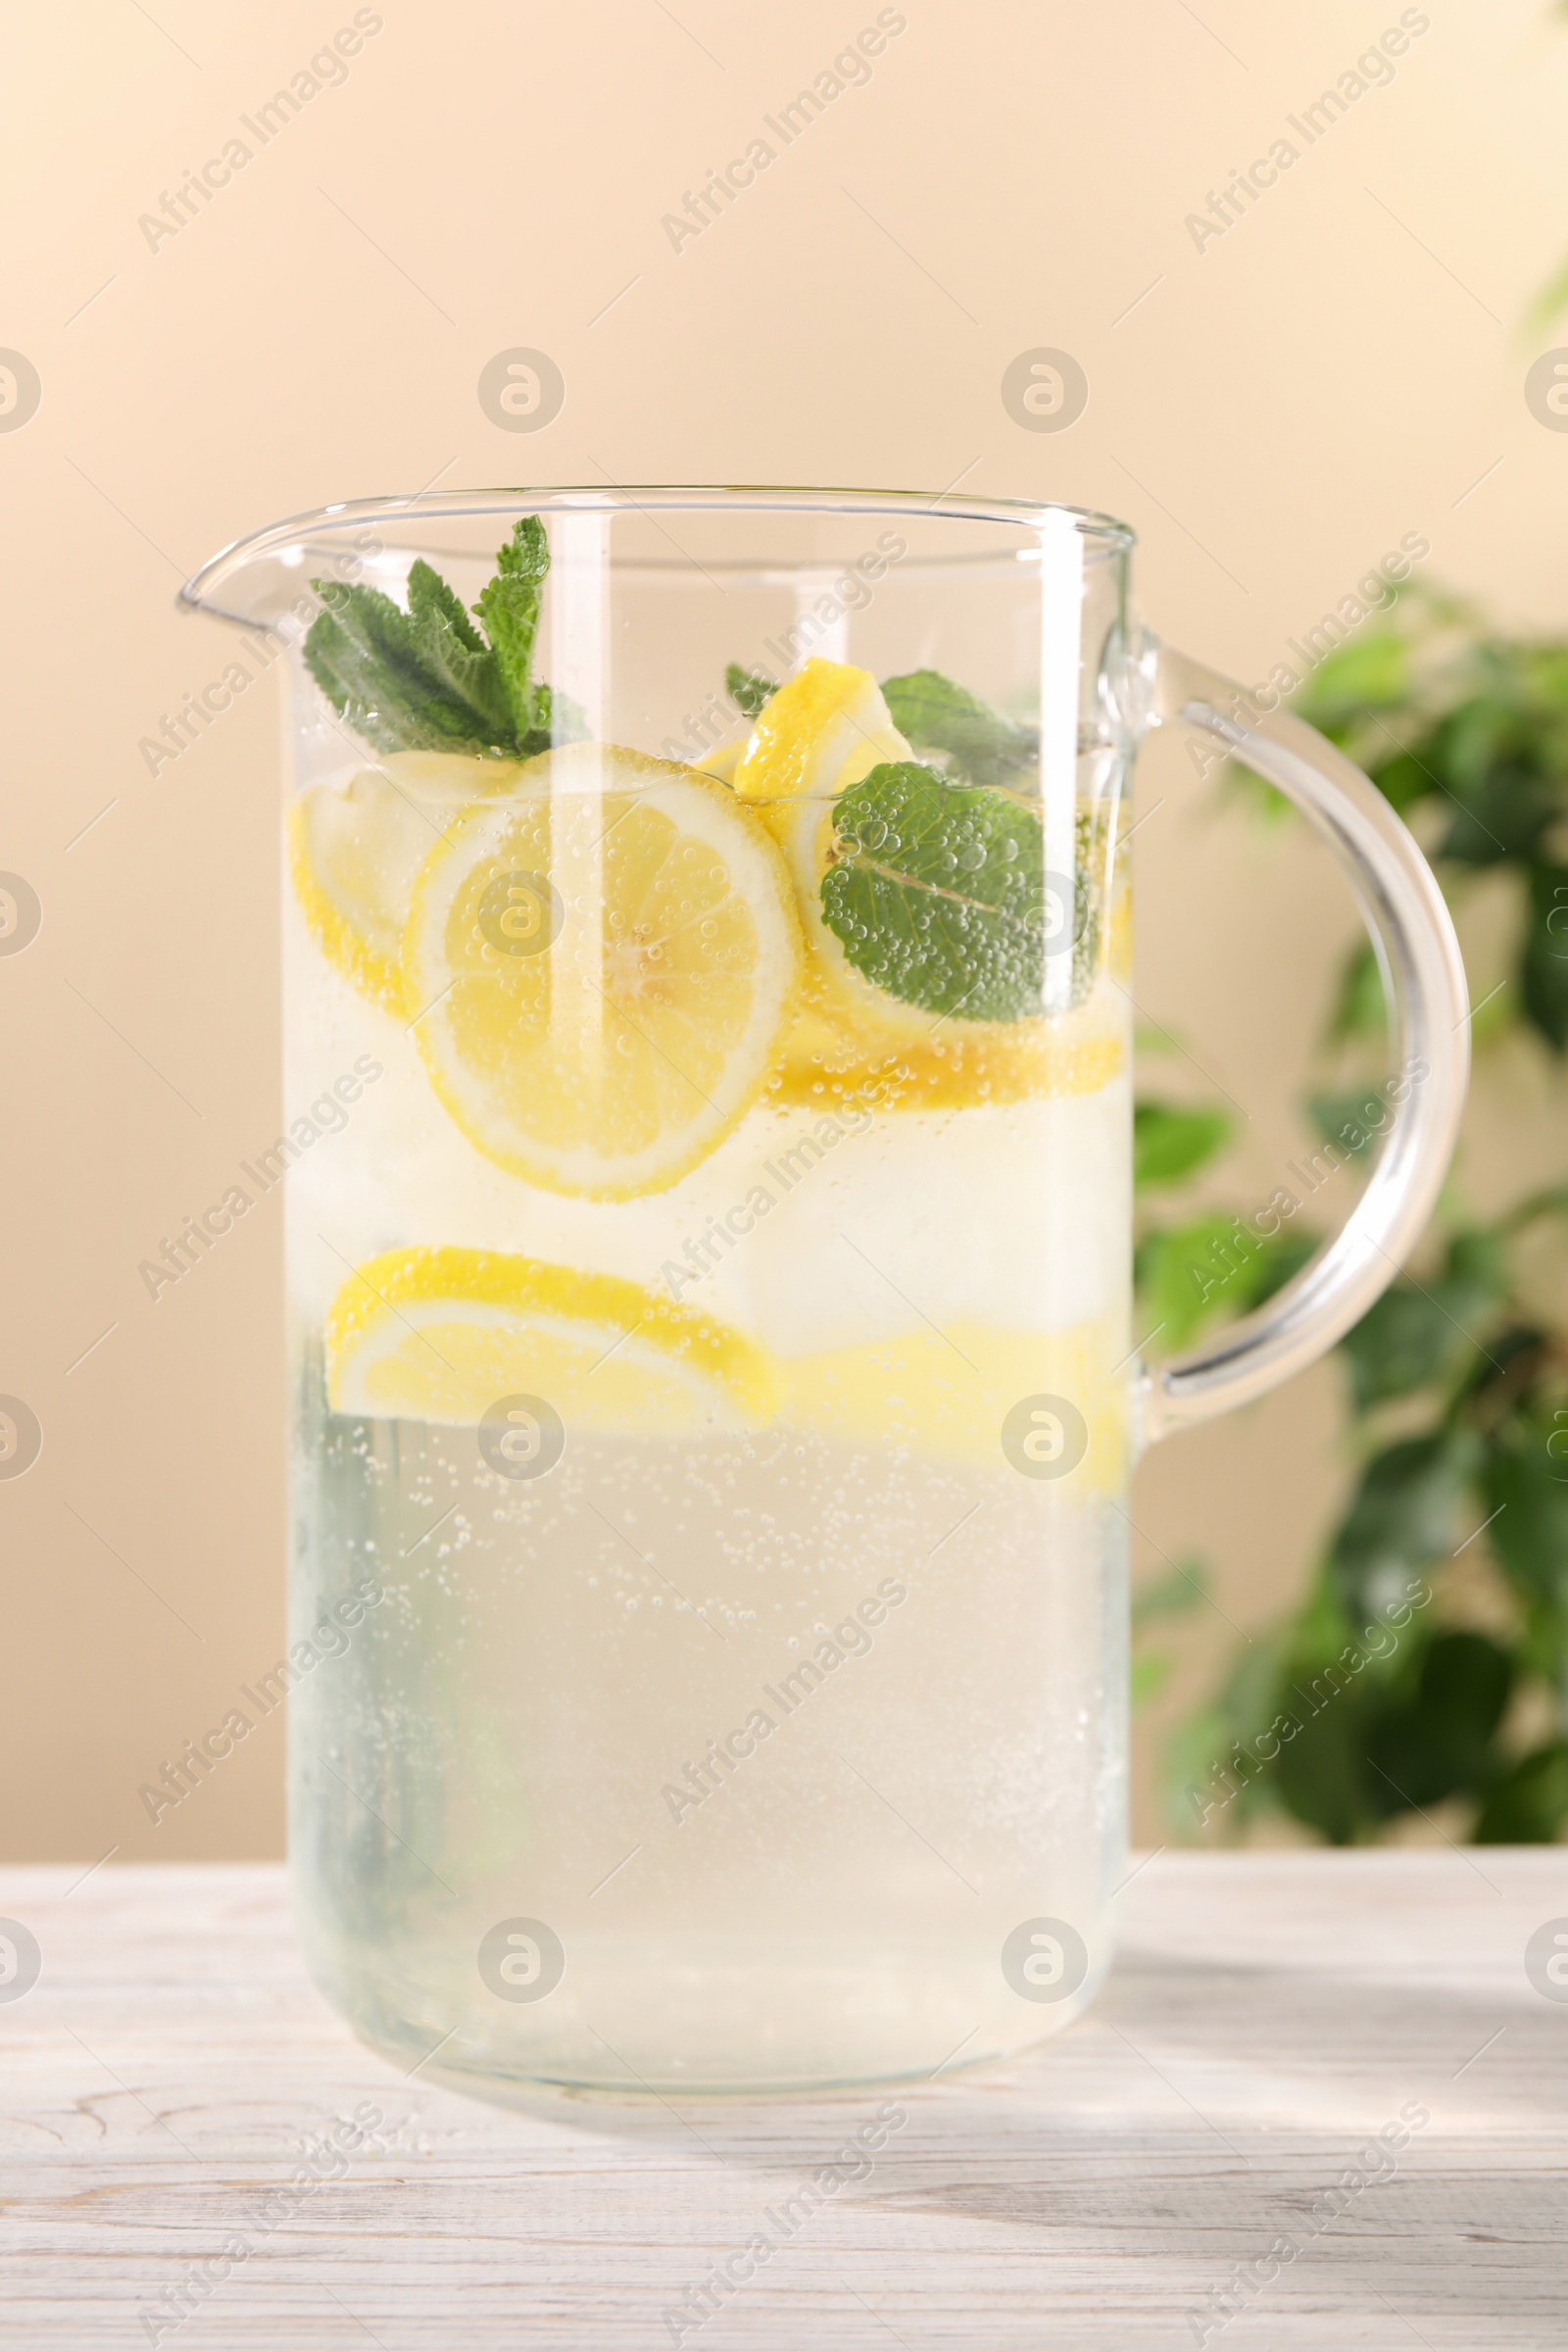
<point x="1424" y="986"/>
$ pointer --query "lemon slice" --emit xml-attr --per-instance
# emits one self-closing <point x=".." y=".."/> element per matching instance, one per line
<point x="967" y="1062"/>
<point x="606" y="962"/>
<point x="356" y="848"/>
<point x="446" y="1335"/>
<point x="823" y="731"/>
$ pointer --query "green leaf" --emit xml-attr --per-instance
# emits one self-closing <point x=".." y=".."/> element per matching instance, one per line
<point x="1504" y="812"/>
<point x="1170" y="1144"/>
<point x="1173" y="1595"/>
<point x="1439" y="1743"/>
<point x="426" y="679"/>
<point x="1529" y="1805"/>
<point x="1323" y="1775"/>
<point x="1352" y="1120"/>
<point x="508" y="606"/>
<point x="1360" y="1009"/>
<point x="748" y="689"/>
<point x="1183" y="1275"/>
<point x="1281" y="1259"/>
<point x="1149" y="1038"/>
<point x="363" y="653"/>
<point x="938" y="716"/>
<point x="1402" y="780"/>
<point x="451" y="649"/>
<point x="1265" y="799"/>
<point x="1469" y="741"/>
<point x="1207" y="1783"/>
<point x="1543" y="1644"/>
<point x="1506" y="1381"/>
<point x="1331" y="1691"/>
<point x="1370" y="673"/>
<point x="1551" y="1202"/>
<point x="1404" y="1341"/>
<point x="1415" y="1334"/>
<point x="938" y="895"/>
<point x="1189" y="1275"/>
<point x="1356" y="1706"/>
<point x="1403" y="1517"/>
<point x="1148" y="1674"/>
<point x="1543" y="962"/>
<point x="1475" y="1275"/>
<point x="1525" y="1484"/>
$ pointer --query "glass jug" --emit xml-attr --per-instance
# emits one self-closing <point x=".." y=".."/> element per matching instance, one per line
<point x="708" y="1151"/>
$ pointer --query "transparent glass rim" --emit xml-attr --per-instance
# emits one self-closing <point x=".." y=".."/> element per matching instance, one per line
<point x="205" y="589"/>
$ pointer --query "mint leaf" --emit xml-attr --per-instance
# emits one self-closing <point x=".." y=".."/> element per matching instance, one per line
<point x="748" y="689"/>
<point x="508" y="606"/>
<point x="426" y="680"/>
<point x="939" y="893"/>
<point x="453" y="650"/>
<point x="363" y="655"/>
<point x="938" y="716"/>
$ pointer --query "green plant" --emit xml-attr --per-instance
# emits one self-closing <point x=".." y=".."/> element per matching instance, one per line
<point x="1429" y="1660"/>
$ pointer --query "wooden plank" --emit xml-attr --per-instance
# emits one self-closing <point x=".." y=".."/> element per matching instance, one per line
<point x="1270" y="2014"/>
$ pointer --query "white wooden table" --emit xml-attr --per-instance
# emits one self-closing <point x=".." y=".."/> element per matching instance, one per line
<point x="1271" y="2013"/>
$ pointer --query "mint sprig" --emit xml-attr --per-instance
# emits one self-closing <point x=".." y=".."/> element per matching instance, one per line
<point x="426" y="679"/>
<point x="939" y="895"/>
<point x="937" y="715"/>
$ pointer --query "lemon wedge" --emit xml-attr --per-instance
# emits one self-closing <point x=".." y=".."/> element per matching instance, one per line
<point x="600" y="968"/>
<point x="823" y="731"/>
<point x="355" y="848"/>
<point x="446" y="1335"/>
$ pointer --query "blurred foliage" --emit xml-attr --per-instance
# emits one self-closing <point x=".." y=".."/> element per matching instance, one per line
<point x="1429" y="1660"/>
<point x="1174" y="1596"/>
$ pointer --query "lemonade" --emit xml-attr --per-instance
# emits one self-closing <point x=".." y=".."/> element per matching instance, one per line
<point x="710" y="1345"/>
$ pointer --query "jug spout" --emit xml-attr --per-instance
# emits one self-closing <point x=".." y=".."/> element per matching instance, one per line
<point x="272" y="579"/>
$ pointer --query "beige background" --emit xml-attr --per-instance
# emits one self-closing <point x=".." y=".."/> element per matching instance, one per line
<point x="1343" y="366"/>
